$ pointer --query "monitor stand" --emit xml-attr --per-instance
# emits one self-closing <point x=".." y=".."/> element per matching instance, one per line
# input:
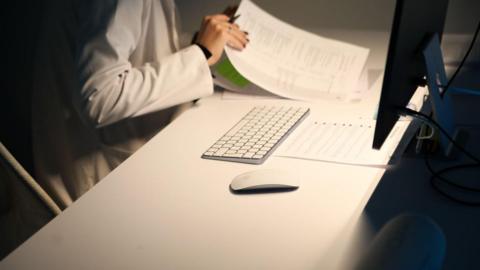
<point x="442" y="107"/>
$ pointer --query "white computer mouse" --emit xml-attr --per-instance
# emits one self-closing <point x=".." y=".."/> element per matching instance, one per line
<point x="265" y="180"/>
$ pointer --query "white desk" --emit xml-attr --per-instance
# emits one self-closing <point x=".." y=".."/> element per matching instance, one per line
<point x="166" y="208"/>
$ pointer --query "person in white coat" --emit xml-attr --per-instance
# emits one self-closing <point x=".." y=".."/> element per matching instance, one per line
<point x="109" y="76"/>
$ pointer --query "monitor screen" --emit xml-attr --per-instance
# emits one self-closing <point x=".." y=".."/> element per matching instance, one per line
<point x="414" y="22"/>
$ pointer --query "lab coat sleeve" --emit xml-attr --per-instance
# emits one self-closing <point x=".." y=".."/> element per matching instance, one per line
<point x="111" y="89"/>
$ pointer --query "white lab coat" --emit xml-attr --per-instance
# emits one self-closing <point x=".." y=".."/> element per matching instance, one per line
<point x="108" y="76"/>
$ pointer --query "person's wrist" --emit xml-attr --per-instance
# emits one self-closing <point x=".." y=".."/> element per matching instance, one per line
<point x="205" y="51"/>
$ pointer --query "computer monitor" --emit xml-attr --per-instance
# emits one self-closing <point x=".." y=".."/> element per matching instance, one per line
<point x="415" y="21"/>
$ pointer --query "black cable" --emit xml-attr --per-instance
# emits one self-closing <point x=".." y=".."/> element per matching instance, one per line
<point x="439" y="173"/>
<point x="465" y="57"/>
<point x="437" y="176"/>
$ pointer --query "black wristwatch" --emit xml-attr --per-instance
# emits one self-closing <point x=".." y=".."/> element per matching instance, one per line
<point x="205" y="51"/>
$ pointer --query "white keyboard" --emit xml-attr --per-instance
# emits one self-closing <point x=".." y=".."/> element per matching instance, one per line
<point x="254" y="138"/>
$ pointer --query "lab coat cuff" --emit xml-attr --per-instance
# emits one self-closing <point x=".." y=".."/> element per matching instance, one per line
<point x="206" y="74"/>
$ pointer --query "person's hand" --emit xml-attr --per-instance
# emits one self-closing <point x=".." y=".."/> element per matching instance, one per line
<point x="216" y="32"/>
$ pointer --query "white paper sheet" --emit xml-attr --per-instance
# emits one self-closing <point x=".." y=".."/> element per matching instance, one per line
<point x="365" y="85"/>
<point x="341" y="142"/>
<point x="293" y="63"/>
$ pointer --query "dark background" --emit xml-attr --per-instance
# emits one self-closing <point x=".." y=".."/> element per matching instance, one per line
<point x="20" y="25"/>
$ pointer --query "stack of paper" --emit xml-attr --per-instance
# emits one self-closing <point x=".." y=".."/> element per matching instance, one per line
<point x="289" y="61"/>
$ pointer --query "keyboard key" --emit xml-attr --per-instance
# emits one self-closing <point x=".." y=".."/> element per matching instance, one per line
<point x="233" y="155"/>
<point x="236" y="128"/>
<point x="221" y="151"/>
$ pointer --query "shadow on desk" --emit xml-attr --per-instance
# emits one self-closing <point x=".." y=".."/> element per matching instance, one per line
<point x="406" y="188"/>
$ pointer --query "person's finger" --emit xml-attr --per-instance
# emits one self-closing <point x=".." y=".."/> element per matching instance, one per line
<point x="220" y="17"/>
<point x="231" y="26"/>
<point x="234" y="43"/>
<point x="234" y="30"/>
<point x="214" y="19"/>
<point x="235" y="40"/>
<point x="240" y="36"/>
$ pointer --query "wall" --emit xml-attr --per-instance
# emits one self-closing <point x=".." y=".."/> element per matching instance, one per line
<point x="376" y="15"/>
<point x="350" y="14"/>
